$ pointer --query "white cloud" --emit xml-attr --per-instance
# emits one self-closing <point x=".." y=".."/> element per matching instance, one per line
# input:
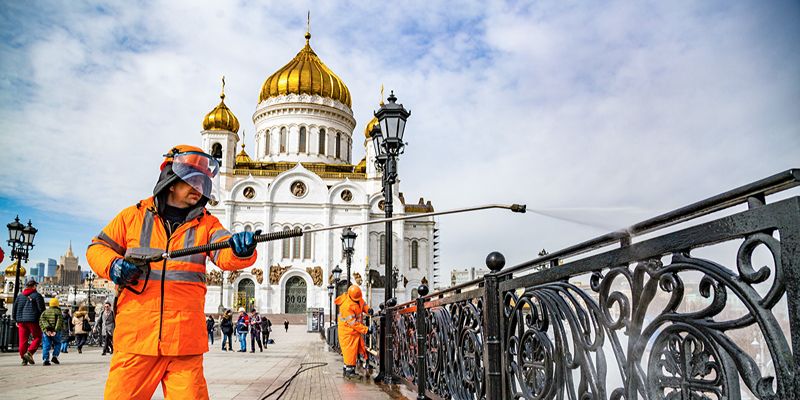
<point x="639" y="108"/>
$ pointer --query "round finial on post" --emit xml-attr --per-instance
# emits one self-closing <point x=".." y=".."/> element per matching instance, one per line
<point x="381" y="306"/>
<point x="422" y="290"/>
<point x="371" y="312"/>
<point x="391" y="302"/>
<point x="495" y="261"/>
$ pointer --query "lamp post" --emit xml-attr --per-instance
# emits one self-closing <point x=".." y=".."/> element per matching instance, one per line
<point x="348" y="241"/>
<point x="388" y="143"/>
<point x="337" y="273"/>
<point x="74" y="298"/>
<point x="90" y="278"/>
<point x="330" y="305"/>
<point x="20" y="238"/>
<point x="221" y="309"/>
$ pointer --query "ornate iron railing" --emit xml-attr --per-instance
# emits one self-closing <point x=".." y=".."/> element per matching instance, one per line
<point x="680" y="314"/>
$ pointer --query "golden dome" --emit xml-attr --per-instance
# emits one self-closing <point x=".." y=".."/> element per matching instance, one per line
<point x="368" y="128"/>
<point x="221" y="118"/>
<point x="243" y="157"/>
<point x="306" y="73"/>
<point x="11" y="270"/>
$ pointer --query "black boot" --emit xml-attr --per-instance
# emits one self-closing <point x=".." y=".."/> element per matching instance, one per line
<point x="55" y="360"/>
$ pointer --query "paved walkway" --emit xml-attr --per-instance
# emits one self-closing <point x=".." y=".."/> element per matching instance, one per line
<point x="230" y="375"/>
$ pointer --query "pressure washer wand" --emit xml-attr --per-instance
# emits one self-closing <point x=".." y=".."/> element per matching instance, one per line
<point x="271" y="236"/>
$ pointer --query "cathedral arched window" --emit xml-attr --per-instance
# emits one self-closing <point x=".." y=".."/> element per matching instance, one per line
<point x="267" y="150"/>
<point x="283" y="140"/>
<point x="307" y="246"/>
<point x="285" y="244"/>
<point x="338" y="145"/>
<point x="296" y="247"/>
<point x="216" y="151"/>
<point x="414" y="254"/>
<point x="248" y="228"/>
<point x="322" y="142"/>
<point x="382" y="244"/>
<point x="302" y="140"/>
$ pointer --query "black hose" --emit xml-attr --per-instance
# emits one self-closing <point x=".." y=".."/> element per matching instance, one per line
<point x="299" y="371"/>
<point x="270" y="236"/>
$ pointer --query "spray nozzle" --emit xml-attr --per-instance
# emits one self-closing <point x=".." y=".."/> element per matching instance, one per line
<point x="519" y="208"/>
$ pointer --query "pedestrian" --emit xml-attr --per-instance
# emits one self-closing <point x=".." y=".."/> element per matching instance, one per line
<point x="286" y="325"/>
<point x="242" y="326"/>
<point x="255" y="331"/>
<point x="266" y="328"/>
<point x="105" y="326"/>
<point x="28" y="307"/>
<point x="51" y="322"/>
<point x="226" y="326"/>
<point x="210" y="328"/>
<point x="82" y="327"/>
<point x="160" y="336"/>
<point x="66" y="330"/>
<point x="352" y="310"/>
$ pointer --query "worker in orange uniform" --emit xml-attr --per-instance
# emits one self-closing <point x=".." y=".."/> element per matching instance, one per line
<point x="352" y="310"/>
<point x="160" y="334"/>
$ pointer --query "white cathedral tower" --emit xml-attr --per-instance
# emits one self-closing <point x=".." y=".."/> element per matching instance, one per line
<point x="301" y="174"/>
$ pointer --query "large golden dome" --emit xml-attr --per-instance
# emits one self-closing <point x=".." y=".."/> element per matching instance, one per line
<point x="306" y="73"/>
<point x="11" y="270"/>
<point x="221" y="118"/>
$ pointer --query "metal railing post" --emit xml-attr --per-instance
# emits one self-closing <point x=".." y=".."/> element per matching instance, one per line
<point x="422" y="334"/>
<point x="389" y="341"/>
<point x="493" y="352"/>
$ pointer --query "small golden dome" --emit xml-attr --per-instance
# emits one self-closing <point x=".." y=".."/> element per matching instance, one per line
<point x="368" y="128"/>
<point x="11" y="270"/>
<point x="362" y="166"/>
<point x="306" y="73"/>
<point x="221" y="118"/>
<point x="243" y="157"/>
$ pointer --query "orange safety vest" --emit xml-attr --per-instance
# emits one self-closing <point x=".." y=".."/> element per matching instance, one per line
<point x="168" y="317"/>
<point x="351" y="315"/>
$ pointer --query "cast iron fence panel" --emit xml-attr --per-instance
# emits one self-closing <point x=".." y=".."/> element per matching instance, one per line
<point x="654" y="319"/>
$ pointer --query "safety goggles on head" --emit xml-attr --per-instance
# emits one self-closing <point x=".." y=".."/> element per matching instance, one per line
<point x="199" y="170"/>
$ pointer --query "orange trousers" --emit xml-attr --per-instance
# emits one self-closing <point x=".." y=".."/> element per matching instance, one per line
<point x="352" y="345"/>
<point x="136" y="376"/>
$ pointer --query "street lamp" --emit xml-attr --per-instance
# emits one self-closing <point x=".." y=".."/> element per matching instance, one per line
<point x="348" y="241"/>
<point x="221" y="309"/>
<point x="330" y="304"/>
<point x="90" y="278"/>
<point x="20" y="238"/>
<point x="337" y="273"/>
<point x="74" y="298"/>
<point x="388" y="142"/>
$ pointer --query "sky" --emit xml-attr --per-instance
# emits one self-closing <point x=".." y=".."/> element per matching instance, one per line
<point x="594" y="114"/>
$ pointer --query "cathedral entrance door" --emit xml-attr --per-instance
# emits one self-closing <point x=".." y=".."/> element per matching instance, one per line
<point x="246" y="294"/>
<point x="296" y="295"/>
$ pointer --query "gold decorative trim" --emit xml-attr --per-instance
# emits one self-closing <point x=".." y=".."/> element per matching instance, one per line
<point x="316" y="275"/>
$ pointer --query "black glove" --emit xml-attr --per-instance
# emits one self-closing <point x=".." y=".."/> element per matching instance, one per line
<point x="243" y="244"/>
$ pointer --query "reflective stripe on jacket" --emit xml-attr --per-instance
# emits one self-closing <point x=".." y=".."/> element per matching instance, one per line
<point x="168" y="317"/>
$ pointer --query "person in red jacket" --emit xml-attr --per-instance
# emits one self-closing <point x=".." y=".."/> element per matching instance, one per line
<point x="159" y="336"/>
<point x="352" y="310"/>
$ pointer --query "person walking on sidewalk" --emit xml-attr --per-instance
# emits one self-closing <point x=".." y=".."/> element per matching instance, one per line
<point x="28" y="307"/>
<point x="66" y="330"/>
<point x="82" y="327"/>
<point x="226" y="326"/>
<point x="266" y="328"/>
<point x="51" y="322"/>
<point x="210" y="328"/>
<point x="242" y="326"/>
<point x="105" y="325"/>
<point x="286" y="325"/>
<point x="255" y="331"/>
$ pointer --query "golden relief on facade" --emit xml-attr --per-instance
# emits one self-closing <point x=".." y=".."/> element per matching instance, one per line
<point x="275" y="273"/>
<point x="357" y="278"/>
<point x="316" y="275"/>
<point x="214" y="277"/>
<point x="259" y="274"/>
<point x="233" y="275"/>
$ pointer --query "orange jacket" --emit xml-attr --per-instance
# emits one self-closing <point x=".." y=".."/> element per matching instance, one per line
<point x="168" y="317"/>
<point x="351" y="315"/>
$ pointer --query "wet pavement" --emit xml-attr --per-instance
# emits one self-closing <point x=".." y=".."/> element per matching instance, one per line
<point x="230" y="375"/>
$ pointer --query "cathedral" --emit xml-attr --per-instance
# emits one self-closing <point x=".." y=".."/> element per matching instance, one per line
<point x="301" y="173"/>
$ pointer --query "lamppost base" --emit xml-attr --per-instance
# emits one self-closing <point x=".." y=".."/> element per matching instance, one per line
<point x="378" y="378"/>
